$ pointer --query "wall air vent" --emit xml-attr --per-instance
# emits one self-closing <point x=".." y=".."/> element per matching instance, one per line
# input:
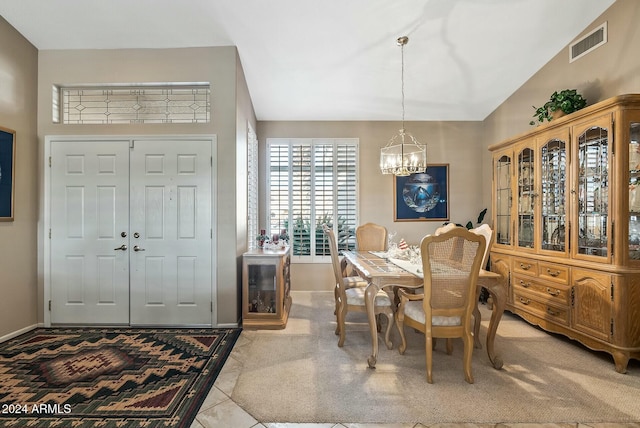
<point x="588" y="43"/>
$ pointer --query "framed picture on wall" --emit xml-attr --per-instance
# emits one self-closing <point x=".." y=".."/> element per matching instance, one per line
<point x="422" y="196"/>
<point x="7" y="172"/>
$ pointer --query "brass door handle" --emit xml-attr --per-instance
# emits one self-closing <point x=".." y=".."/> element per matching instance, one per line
<point x="552" y="312"/>
<point x="136" y="248"/>
<point x="525" y="301"/>
<point x="121" y="247"/>
<point x="553" y="292"/>
<point x="525" y="267"/>
<point x="525" y="284"/>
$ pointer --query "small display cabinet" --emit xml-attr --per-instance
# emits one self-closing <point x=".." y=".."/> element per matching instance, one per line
<point x="266" y="287"/>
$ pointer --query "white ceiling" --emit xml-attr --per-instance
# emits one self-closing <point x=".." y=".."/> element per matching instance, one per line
<point x="336" y="59"/>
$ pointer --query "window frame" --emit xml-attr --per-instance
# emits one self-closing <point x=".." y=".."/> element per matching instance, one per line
<point x="290" y="143"/>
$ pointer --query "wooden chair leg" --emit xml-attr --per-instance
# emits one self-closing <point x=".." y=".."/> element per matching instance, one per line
<point x="429" y="352"/>
<point x="342" y="310"/>
<point x="403" y="341"/>
<point x="468" y="353"/>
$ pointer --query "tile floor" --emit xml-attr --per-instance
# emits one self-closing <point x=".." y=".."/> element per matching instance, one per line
<point x="219" y="410"/>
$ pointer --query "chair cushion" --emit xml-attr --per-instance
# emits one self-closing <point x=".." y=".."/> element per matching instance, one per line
<point x="355" y="296"/>
<point x="354" y="281"/>
<point x="413" y="309"/>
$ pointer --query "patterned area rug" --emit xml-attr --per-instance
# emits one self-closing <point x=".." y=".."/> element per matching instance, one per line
<point x="108" y="377"/>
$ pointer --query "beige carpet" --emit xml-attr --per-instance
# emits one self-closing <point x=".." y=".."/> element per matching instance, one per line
<point x="300" y="375"/>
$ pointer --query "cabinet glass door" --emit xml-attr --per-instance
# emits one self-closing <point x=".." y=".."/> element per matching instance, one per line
<point x="634" y="191"/>
<point x="553" y="184"/>
<point x="503" y="200"/>
<point x="262" y="284"/>
<point x="593" y="191"/>
<point x="526" y="198"/>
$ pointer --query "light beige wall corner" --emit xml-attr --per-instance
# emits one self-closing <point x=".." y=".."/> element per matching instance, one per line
<point x="455" y="143"/>
<point x="216" y="65"/>
<point x="245" y="117"/>
<point x="18" y="243"/>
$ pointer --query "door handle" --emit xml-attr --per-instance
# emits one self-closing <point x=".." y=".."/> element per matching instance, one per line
<point x="136" y="248"/>
<point x="121" y="247"/>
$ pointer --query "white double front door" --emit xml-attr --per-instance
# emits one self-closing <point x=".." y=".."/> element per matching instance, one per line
<point x="131" y="237"/>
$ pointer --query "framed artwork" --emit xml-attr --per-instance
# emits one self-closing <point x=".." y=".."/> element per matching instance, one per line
<point x="7" y="172"/>
<point x="422" y="196"/>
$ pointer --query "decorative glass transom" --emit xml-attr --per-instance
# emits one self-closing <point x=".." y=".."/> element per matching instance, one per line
<point x="157" y="103"/>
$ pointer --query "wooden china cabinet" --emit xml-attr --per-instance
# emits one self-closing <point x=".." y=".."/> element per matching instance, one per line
<point x="566" y="213"/>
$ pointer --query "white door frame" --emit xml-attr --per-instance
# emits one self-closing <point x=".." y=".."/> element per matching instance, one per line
<point x="46" y="244"/>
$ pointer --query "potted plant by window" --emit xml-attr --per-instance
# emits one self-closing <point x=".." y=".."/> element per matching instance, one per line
<point x="262" y="238"/>
<point x="560" y="103"/>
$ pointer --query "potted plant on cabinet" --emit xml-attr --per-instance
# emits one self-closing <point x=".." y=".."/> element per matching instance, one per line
<point x="261" y="238"/>
<point x="560" y="103"/>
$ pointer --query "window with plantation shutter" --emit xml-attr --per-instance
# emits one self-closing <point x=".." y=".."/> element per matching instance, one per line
<point x="313" y="182"/>
<point x="252" y="187"/>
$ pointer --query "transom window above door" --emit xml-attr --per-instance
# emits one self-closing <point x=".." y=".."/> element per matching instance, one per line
<point x="132" y="103"/>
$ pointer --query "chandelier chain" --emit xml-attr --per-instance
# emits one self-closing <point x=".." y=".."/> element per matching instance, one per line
<point x="402" y="80"/>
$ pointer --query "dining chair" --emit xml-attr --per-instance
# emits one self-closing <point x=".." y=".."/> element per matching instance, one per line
<point x="349" y="295"/>
<point x="486" y="231"/>
<point x="443" y="229"/>
<point x="451" y="265"/>
<point x="371" y="237"/>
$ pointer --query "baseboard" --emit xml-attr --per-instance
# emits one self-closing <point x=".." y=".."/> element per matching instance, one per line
<point x="227" y="325"/>
<point x="17" y="333"/>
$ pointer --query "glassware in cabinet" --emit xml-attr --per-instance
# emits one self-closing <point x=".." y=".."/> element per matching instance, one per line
<point x="593" y="191"/>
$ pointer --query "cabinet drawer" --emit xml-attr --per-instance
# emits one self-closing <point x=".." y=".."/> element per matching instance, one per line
<point x="544" y="310"/>
<point x="545" y="291"/>
<point x="554" y="272"/>
<point x="525" y="266"/>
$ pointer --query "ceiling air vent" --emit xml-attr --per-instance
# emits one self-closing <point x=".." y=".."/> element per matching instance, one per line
<point x="591" y="41"/>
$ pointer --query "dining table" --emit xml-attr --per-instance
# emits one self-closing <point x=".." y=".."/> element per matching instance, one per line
<point x="385" y="273"/>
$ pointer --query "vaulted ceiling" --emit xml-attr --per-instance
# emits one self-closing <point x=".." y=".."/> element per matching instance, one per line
<point x="336" y="59"/>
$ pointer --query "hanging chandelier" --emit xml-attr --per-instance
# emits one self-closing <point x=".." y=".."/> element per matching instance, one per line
<point x="403" y="154"/>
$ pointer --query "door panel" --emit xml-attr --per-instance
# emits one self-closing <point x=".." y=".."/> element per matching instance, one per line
<point x="89" y="211"/>
<point x="158" y="195"/>
<point x="171" y="226"/>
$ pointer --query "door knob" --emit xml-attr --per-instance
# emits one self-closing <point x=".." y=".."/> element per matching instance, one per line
<point x="123" y="234"/>
<point x="121" y="247"/>
<point x="136" y="248"/>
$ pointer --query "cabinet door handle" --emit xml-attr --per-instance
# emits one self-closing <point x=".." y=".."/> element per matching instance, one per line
<point x="524" y="301"/>
<point x="553" y="273"/>
<point x="552" y="312"/>
<point x="525" y="284"/>
<point x="525" y="267"/>
<point x="553" y="292"/>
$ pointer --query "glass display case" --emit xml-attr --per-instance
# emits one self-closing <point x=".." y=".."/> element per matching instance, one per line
<point x="593" y="191"/>
<point x="503" y="199"/>
<point x="634" y="191"/>
<point x="573" y="247"/>
<point x="526" y="198"/>
<point x="553" y="197"/>
<point x="266" y="287"/>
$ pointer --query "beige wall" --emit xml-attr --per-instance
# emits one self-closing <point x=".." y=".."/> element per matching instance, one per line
<point x="612" y="69"/>
<point x="455" y="143"/>
<point x="18" y="241"/>
<point x="218" y="65"/>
